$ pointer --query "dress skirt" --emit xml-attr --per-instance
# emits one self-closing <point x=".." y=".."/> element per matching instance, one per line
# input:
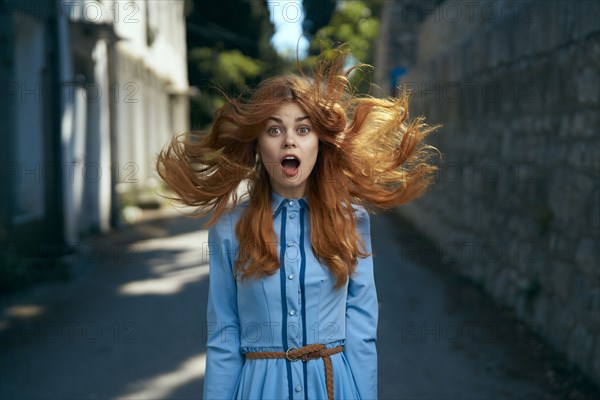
<point x="267" y="379"/>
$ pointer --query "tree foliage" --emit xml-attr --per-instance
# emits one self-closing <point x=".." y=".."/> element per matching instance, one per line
<point x="353" y="25"/>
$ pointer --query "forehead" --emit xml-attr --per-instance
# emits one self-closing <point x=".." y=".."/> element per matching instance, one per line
<point x="289" y="110"/>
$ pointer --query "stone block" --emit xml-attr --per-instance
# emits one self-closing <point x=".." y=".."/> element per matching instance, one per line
<point x="454" y="67"/>
<point x="521" y="44"/>
<point x="587" y="256"/>
<point x="594" y="310"/>
<point x="539" y="26"/>
<point x="587" y="81"/>
<point x="587" y="15"/>
<point x="560" y="280"/>
<point x="580" y="345"/>
<point x="566" y="21"/>
<point x="560" y="324"/>
<point x="594" y="207"/>
<point x="595" y="368"/>
<point x="582" y="295"/>
<point x="593" y="51"/>
<point x="541" y="312"/>
<point x="567" y="197"/>
<point x="551" y="86"/>
<point x="550" y="24"/>
<point x="578" y="126"/>
<point x="500" y="285"/>
<point x="581" y="156"/>
<point x="590" y="129"/>
<point x="481" y="48"/>
<point x="561" y="245"/>
<point x="566" y="59"/>
<point x="512" y="292"/>
<point x="565" y="127"/>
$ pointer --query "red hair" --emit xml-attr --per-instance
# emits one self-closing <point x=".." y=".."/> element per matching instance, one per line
<point x="369" y="154"/>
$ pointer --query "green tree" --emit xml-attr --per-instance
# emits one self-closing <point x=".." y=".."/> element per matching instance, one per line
<point x="354" y="25"/>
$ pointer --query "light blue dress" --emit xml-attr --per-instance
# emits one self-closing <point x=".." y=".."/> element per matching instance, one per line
<point x="292" y="308"/>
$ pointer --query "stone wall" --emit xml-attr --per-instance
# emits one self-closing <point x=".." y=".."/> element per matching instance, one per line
<point x="516" y="206"/>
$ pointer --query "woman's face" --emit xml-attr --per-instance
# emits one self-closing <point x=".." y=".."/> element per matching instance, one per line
<point x="288" y="147"/>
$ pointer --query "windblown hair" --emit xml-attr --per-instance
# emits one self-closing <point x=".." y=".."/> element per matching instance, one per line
<point x="370" y="154"/>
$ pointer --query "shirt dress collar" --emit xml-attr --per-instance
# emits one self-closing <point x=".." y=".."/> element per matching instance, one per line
<point x="278" y="202"/>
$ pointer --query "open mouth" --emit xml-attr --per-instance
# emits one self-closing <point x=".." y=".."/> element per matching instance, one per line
<point x="290" y="165"/>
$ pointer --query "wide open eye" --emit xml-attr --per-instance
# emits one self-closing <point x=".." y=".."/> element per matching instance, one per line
<point x="303" y="130"/>
<point x="274" y="131"/>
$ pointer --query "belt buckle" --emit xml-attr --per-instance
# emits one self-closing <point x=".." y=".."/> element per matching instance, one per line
<point x="288" y="356"/>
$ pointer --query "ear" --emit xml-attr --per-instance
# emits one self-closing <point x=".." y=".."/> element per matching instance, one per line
<point x="256" y="153"/>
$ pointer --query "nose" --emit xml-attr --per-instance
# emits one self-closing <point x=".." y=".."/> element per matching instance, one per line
<point x="289" y="141"/>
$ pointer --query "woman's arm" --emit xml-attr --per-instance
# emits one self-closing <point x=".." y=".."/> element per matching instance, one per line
<point x="223" y="357"/>
<point x="361" y="318"/>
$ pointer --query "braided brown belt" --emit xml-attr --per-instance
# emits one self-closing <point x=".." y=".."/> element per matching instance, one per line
<point x="309" y="352"/>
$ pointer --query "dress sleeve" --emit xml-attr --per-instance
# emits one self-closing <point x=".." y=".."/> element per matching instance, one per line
<point x="362" y="313"/>
<point x="223" y="357"/>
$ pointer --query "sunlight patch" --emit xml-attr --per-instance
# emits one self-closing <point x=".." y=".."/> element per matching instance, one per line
<point x="165" y="284"/>
<point x="162" y="386"/>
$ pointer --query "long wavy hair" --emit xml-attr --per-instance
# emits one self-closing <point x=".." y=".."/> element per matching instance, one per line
<point x="370" y="153"/>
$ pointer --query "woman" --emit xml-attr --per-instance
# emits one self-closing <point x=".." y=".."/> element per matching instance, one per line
<point x="292" y="304"/>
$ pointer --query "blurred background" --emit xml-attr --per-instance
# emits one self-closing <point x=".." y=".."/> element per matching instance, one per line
<point x="489" y="284"/>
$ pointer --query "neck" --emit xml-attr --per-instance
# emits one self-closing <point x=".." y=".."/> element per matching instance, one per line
<point x="290" y="193"/>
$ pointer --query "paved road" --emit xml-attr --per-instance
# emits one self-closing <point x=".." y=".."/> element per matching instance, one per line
<point x="129" y="326"/>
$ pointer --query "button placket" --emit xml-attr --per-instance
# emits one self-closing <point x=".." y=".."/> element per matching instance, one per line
<point x="292" y="265"/>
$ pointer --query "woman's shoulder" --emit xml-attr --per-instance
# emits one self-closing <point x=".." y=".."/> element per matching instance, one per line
<point x="231" y="215"/>
<point x="238" y="209"/>
<point x="363" y="221"/>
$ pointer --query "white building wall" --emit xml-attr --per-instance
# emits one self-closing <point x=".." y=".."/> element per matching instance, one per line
<point x="152" y="65"/>
<point x="146" y="98"/>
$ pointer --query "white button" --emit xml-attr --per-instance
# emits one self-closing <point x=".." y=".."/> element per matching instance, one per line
<point x="298" y="388"/>
<point x="290" y="244"/>
<point x="291" y="276"/>
<point x="292" y="312"/>
<point x="292" y="216"/>
<point x="291" y="203"/>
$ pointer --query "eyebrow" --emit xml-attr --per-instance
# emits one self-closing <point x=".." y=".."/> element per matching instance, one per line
<point x="276" y="119"/>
